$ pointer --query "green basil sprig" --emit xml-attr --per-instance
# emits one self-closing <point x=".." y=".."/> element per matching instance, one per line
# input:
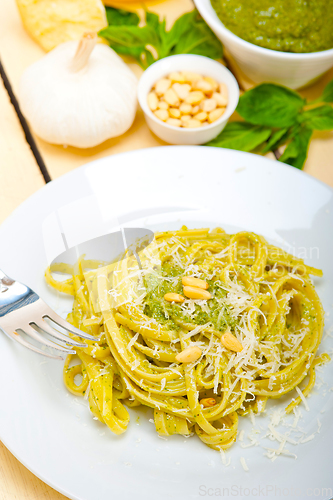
<point x="276" y="116"/>
<point x="188" y="35"/>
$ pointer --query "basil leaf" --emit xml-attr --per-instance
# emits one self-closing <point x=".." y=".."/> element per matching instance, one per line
<point x="199" y="39"/>
<point x="166" y="43"/>
<point x="135" y="52"/>
<point x="130" y="40"/>
<point x="270" y="105"/>
<point x="170" y="38"/>
<point x="328" y="92"/>
<point x="123" y="45"/>
<point x="242" y="136"/>
<point x="320" y="118"/>
<point x="130" y="36"/>
<point x="120" y="17"/>
<point x="188" y="35"/>
<point x="276" y="139"/>
<point x="152" y="20"/>
<point x="296" y="152"/>
<point x="290" y="152"/>
<point x="148" y="58"/>
<point x="180" y="26"/>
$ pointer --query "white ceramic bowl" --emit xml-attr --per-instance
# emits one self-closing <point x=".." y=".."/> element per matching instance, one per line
<point x="265" y="65"/>
<point x="187" y="62"/>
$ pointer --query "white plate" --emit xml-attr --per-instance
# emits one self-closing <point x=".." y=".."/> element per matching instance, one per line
<point x="53" y="434"/>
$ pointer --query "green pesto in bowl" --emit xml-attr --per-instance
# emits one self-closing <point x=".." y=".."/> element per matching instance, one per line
<point x="284" y="25"/>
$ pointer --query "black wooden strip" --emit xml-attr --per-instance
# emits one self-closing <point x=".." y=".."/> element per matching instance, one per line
<point x="25" y="126"/>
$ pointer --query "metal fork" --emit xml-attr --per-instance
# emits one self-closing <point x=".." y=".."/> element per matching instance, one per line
<point x="21" y="309"/>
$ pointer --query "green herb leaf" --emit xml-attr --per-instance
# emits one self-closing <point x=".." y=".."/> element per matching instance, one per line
<point x="152" y="20"/>
<point x="120" y="17"/>
<point x="188" y="35"/>
<point x="130" y="40"/>
<point x="200" y="40"/>
<point x="270" y="105"/>
<point x="130" y="36"/>
<point x="180" y="27"/>
<point x="242" y="136"/>
<point x="147" y="58"/>
<point x="320" y="118"/>
<point x="276" y="139"/>
<point x="138" y="53"/>
<point x="296" y="152"/>
<point x="328" y="92"/>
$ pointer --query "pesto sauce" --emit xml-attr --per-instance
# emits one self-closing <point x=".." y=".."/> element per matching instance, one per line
<point x="167" y="313"/>
<point x="288" y="26"/>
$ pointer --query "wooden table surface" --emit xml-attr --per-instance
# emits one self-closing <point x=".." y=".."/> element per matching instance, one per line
<point x="20" y="175"/>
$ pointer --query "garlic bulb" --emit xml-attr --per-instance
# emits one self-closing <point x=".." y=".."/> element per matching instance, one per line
<point x="79" y="94"/>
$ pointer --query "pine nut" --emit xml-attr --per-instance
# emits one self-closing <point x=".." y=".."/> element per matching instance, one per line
<point x="174" y="122"/>
<point x="196" y="293"/>
<point x="177" y="77"/>
<point x="174" y="112"/>
<point x="196" y="282"/>
<point x="162" y="105"/>
<point x="174" y="297"/>
<point x="171" y="97"/>
<point x="152" y="101"/>
<point x="208" y="105"/>
<point x="215" y="115"/>
<point x="224" y="90"/>
<point x="191" y="77"/>
<point x="195" y="97"/>
<point x="207" y="402"/>
<point x="203" y="85"/>
<point x="162" y="85"/>
<point x="182" y="90"/>
<point x="230" y="342"/>
<point x="189" y="355"/>
<point x="202" y="116"/>
<point x="192" y="123"/>
<point x="162" y="114"/>
<point x="187" y="99"/>
<point x="220" y="99"/>
<point x="213" y="83"/>
<point x="185" y="109"/>
<point x="185" y="119"/>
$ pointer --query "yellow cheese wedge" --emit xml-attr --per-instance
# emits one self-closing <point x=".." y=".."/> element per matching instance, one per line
<point x="52" y="22"/>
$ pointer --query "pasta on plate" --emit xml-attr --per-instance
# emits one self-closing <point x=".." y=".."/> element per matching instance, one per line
<point x="201" y="352"/>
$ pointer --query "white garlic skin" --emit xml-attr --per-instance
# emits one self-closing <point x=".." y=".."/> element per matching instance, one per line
<point x="83" y="108"/>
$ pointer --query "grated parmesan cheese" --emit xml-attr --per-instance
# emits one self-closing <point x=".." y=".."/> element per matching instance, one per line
<point x="307" y="439"/>
<point x="135" y="364"/>
<point x="301" y="395"/>
<point x="244" y="464"/>
<point x="224" y="459"/>
<point x="132" y="341"/>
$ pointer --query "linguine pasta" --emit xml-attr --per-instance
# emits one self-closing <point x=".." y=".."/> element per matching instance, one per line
<point x="260" y="295"/>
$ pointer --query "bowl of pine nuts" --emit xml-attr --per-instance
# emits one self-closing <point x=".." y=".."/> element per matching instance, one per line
<point x="187" y="99"/>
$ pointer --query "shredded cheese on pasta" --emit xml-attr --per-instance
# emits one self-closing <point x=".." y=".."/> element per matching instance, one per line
<point x="261" y="294"/>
